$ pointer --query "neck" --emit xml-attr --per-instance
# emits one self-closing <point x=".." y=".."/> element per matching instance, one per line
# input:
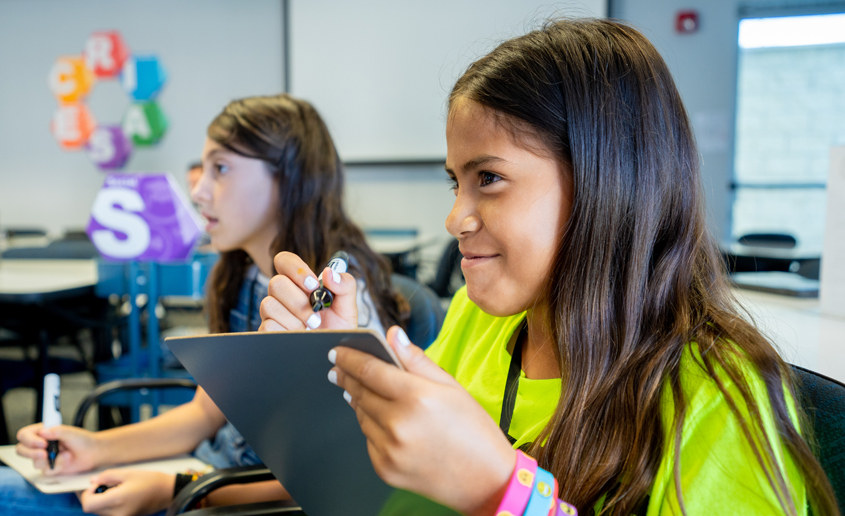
<point x="261" y="257"/>
<point x="538" y="356"/>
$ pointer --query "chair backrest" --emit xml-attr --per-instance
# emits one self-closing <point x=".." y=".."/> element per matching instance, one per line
<point x="426" y="311"/>
<point x="823" y="399"/>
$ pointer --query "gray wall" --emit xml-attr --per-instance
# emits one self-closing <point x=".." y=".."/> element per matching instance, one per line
<point x="214" y="51"/>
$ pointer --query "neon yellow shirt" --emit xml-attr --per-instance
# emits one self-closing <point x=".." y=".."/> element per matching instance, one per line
<point x="719" y="472"/>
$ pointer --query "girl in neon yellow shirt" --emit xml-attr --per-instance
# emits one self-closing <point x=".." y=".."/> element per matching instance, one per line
<point x="596" y="330"/>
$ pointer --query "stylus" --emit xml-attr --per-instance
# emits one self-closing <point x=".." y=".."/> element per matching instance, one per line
<point x="322" y="297"/>
<point x="50" y="415"/>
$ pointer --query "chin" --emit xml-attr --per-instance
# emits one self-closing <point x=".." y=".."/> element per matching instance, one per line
<point x="493" y="302"/>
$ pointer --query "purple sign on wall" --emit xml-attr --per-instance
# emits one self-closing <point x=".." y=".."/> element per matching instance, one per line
<point x="108" y="147"/>
<point x="143" y="217"/>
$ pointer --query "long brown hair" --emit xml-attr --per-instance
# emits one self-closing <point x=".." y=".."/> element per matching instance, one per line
<point x="291" y="138"/>
<point x="637" y="277"/>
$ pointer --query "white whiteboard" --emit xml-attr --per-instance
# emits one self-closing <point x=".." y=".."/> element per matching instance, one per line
<point x="379" y="71"/>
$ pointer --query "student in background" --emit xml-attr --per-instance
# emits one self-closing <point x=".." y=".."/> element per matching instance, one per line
<point x="271" y="181"/>
<point x="590" y="274"/>
<point x="193" y="175"/>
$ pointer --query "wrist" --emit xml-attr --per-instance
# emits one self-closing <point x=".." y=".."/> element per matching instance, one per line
<point x="496" y="484"/>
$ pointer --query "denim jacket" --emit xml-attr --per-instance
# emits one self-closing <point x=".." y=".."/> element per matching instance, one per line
<point x="228" y="449"/>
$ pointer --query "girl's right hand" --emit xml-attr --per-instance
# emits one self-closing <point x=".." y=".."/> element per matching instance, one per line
<point x="77" y="448"/>
<point x="287" y="308"/>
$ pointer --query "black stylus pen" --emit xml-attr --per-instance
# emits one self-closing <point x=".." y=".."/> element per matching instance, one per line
<point x="322" y="297"/>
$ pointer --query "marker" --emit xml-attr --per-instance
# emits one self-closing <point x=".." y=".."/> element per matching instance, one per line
<point x="50" y="415"/>
<point x="322" y="297"/>
<point x="101" y="489"/>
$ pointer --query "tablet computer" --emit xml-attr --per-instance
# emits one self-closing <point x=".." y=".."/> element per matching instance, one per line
<point x="273" y="388"/>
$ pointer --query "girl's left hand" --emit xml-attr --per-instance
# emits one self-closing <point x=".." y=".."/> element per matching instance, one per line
<point x="425" y="432"/>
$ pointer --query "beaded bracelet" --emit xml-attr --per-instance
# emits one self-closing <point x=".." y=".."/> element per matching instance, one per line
<point x="519" y="488"/>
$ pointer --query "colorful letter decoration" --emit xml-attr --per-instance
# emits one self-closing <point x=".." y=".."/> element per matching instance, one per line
<point x="105" y="54"/>
<point x="70" y="80"/>
<point x="72" y="125"/>
<point x="106" y="57"/>
<point x="108" y="147"/>
<point x="142" y="77"/>
<point x="144" y="123"/>
<point x="143" y="217"/>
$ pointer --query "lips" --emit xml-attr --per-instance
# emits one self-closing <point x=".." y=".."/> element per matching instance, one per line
<point x="471" y="259"/>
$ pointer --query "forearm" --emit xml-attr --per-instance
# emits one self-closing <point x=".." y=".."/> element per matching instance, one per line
<point x="267" y="491"/>
<point x="177" y="431"/>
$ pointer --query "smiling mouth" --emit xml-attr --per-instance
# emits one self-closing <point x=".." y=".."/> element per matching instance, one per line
<point x="470" y="260"/>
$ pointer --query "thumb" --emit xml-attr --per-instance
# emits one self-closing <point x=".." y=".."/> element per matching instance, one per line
<point x="414" y="359"/>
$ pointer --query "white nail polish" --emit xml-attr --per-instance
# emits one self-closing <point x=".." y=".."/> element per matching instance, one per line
<point x="402" y="337"/>
<point x="347" y="397"/>
<point x="311" y="283"/>
<point x="333" y="376"/>
<point x="335" y="277"/>
<point x="332" y="356"/>
<point x="314" y="321"/>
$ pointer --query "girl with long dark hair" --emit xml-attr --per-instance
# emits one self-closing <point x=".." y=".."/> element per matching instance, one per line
<point x="271" y="182"/>
<point x="597" y="332"/>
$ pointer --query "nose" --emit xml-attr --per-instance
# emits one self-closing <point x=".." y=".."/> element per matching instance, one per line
<point x="201" y="193"/>
<point x="464" y="219"/>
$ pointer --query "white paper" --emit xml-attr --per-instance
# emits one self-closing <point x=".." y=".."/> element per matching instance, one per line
<point x="81" y="481"/>
<point x="832" y="288"/>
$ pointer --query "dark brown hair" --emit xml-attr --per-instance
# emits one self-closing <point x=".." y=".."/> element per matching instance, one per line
<point x="637" y="278"/>
<point x="291" y="138"/>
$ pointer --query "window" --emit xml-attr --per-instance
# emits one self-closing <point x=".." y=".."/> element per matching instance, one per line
<point x="790" y="112"/>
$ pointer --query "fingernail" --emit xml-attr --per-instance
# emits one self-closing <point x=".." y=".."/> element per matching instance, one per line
<point x="333" y="376"/>
<point x="313" y="321"/>
<point x="335" y="277"/>
<point x="311" y="283"/>
<point x="332" y="356"/>
<point x="347" y="397"/>
<point x="402" y="337"/>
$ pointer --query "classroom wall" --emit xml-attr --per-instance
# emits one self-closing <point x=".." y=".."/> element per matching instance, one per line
<point x="214" y="51"/>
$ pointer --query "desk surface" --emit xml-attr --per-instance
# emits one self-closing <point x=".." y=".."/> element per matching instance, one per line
<point x="31" y="281"/>
<point x="803" y="335"/>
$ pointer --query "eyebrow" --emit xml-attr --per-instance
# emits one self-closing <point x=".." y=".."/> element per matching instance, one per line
<point x="211" y="154"/>
<point x="478" y="162"/>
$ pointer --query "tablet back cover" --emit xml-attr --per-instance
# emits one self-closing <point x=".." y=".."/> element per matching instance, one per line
<point x="273" y="388"/>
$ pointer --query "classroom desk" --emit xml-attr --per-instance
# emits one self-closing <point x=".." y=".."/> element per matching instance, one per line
<point x="803" y="335"/>
<point x="31" y="292"/>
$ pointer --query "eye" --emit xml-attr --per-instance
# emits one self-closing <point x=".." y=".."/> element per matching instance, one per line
<point x="487" y="178"/>
<point x="453" y="183"/>
<point x="221" y="168"/>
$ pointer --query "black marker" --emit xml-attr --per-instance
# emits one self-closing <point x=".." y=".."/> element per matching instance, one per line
<point x="50" y="414"/>
<point x="101" y="489"/>
<point x="322" y="297"/>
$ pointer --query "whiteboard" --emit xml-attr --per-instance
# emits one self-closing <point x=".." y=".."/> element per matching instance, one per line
<point x="380" y="71"/>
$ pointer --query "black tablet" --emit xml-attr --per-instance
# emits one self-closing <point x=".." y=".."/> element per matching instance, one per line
<point x="273" y="388"/>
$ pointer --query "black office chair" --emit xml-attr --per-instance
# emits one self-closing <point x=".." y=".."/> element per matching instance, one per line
<point x="823" y="400"/>
<point x="426" y="311"/>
